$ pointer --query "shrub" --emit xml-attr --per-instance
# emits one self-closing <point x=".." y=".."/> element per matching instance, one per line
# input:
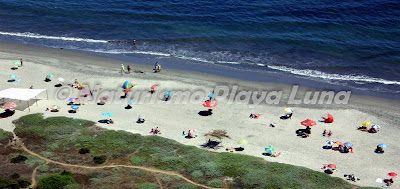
<point x="15" y="176"/>
<point x="166" y="179"/>
<point x="215" y="183"/>
<point x="95" y="181"/>
<point x="184" y="186"/>
<point x="117" y="169"/>
<point x="197" y="174"/>
<point x="99" y="159"/>
<point x="46" y="154"/>
<point x="84" y="151"/>
<point x="138" y="160"/>
<point x="44" y="168"/>
<point x="23" y="183"/>
<point x="148" y="186"/>
<point x="137" y="172"/>
<point x="72" y="186"/>
<point x="18" y="159"/>
<point x="55" y="181"/>
<point x="4" y="183"/>
<point x="33" y="161"/>
<point x="5" y="136"/>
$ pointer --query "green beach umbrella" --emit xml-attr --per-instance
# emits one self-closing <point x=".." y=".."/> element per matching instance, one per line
<point x="49" y="76"/>
<point x="243" y="141"/>
<point x="270" y="149"/>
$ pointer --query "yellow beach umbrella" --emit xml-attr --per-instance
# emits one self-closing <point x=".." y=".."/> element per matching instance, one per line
<point x="243" y="141"/>
<point x="366" y="123"/>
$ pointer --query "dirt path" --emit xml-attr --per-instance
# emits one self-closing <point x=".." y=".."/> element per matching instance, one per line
<point x="33" y="184"/>
<point x="149" y="169"/>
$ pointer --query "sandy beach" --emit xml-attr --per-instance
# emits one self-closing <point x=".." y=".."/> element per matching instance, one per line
<point x="172" y="119"/>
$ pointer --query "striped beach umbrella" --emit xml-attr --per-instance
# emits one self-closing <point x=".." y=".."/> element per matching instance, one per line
<point x="210" y="104"/>
<point x="382" y="145"/>
<point x="192" y="130"/>
<point x="289" y="110"/>
<point x="366" y="123"/>
<point x="49" y="76"/>
<point x="55" y="107"/>
<point x="339" y="143"/>
<point x="270" y="149"/>
<point x="127" y="85"/>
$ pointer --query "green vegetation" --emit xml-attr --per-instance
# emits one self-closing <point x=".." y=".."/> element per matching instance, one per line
<point x="56" y="181"/>
<point x="44" y="168"/>
<point x="9" y="184"/>
<point x="198" y="164"/>
<point x="19" y="159"/>
<point x="5" y="136"/>
<point x="148" y="186"/>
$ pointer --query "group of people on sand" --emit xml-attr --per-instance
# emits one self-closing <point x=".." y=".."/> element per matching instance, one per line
<point x="123" y="71"/>
<point x="327" y="134"/>
<point x="188" y="135"/>
<point x="370" y="130"/>
<point x="155" y="131"/>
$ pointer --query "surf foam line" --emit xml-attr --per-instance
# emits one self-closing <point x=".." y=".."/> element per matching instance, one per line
<point x="319" y="74"/>
<point x="39" y="36"/>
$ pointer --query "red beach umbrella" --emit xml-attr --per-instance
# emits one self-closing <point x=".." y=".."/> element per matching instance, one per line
<point x="154" y="87"/>
<point x="210" y="104"/>
<point x="308" y="123"/>
<point x="329" y="119"/>
<point x="333" y="166"/>
<point x="392" y="174"/>
<point x="9" y="105"/>
<point x="103" y="98"/>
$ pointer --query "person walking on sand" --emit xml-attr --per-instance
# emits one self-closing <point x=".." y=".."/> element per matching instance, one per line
<point x="21" y="61"/>
<point x="129" y="69"/>
<point x="122" y="69"/>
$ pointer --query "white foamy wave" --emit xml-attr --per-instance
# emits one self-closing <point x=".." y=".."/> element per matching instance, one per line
<point x="39" y="36"/>
<point x="226" y="62"/>
<point x="319" y="74"/>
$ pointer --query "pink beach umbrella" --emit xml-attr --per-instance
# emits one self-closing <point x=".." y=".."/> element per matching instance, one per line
<point x="192" y="130"/>
<point x="10" y="105"/>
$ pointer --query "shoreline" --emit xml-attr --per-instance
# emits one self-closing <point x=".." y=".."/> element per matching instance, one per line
<point x="39" y="61"/>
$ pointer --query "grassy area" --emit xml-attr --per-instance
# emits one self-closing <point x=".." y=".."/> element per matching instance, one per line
<point x="5" y="136"/>
<point x="202" y="166"/>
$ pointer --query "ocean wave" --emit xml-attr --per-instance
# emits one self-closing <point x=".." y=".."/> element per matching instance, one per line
<point x="39" y="36"/>
<point x="323" y="75"/>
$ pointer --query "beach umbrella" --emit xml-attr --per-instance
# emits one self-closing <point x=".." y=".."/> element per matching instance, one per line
<point x="168" y="93"/>
<point x="49" y="76"/>
<point x="243" y="141"/>
<point x="376" y="126"/>
<point x="269" y="149"/>
<point x="366" y="123"/>
<point x="211" y="96"/>
<point x="192" y="130"/>
<point x="61" y="79"/>
<point x="339" y="143"/>
<point x="75" y="107"/>
<point x="108" y="114"/>
<point x="127" y="90"/>
<point x="17" y="63"/>
<point x="289" y="110"/>
<point x="348" y="144"/>
<point x="103" y="98"/>
<point x="127" y="85"/>
<point x="308" y="123"/>
<point x="142" y="117"/>
<point x="382" y="145"/>
<point x="392" y="174"/>
<point x="13" y="76"/>
<point x="329" y="119"/>
<point x="85" y="91"/>
<point x="154" y="87"/>
<point x="72" y="99"/>
<point x="82" y="84"/>
<point x="55" y="107"/>
<point x="329" y="142"/>
<point x="131" y="101"/>
<point x="9" y="105"/>
<point x="210" y="104"/>
<point x="333" y="166"/>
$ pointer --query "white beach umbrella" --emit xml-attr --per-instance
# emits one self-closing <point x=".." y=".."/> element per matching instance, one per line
<point x="142" y="117"/>
<point x="61" y="79"/>
<point x="289" y="110"/>
<point x="376" y="126"/>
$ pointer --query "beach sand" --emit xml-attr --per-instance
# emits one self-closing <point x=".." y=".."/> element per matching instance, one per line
<point x="172" y="119"/>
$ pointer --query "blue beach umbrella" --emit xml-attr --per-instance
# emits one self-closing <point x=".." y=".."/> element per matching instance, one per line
<point x="382" y="145"/>
<point x="131" y="101"/>
<point x="348" y="144"/>
<point x="168" y="93"/>
<point x="108" y="114"/>
<point x="13" y="76"/>
<point x="17" y="63"/>
<point x="127" y="85"/>
<point x="75" y="107"/>
<point x="211" y="95"/>
<point x="270" y="149"/>
<point x="72" y="99"/>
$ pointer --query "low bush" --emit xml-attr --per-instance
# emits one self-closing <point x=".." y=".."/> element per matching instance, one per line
<point x="15" y="176"/>
<point x="99" y="159"/>
<point x="215" y="183"/>
<point x="148" y="186"/>
<point x="19" y="159"/>
<point x="55" y="181"/>
<point x="184" y="186"/>
<point x="197" y="174"/>
<point x="84" y="151"/>
<point x="44" y="168"/>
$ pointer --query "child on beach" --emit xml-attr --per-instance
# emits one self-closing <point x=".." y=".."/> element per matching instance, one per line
<point x="254" y="116"/>
<point x="129" y="69"/>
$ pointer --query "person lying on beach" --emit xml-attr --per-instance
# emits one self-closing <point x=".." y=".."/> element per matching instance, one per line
<point x="231" y="149"/>
<point x="254" y="116"/>
<point x="189" y="135"/>
<point x="155" y="131"/>
<point x="372" y="130"/>
<point x="272" y="125"/>
<point x="52" y="110"/>
<point x="362" y="128"/>
<point x="140" y="120"/>
<point x="388" y="182"/>
<point x="351" y="177"/>
<point x="109" y="121"/>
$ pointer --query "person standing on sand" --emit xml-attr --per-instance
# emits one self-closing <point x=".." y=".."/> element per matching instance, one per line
<point x="21" y="62"/>
<point x="129" y="69"/>
<point x="122" y="69"/>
